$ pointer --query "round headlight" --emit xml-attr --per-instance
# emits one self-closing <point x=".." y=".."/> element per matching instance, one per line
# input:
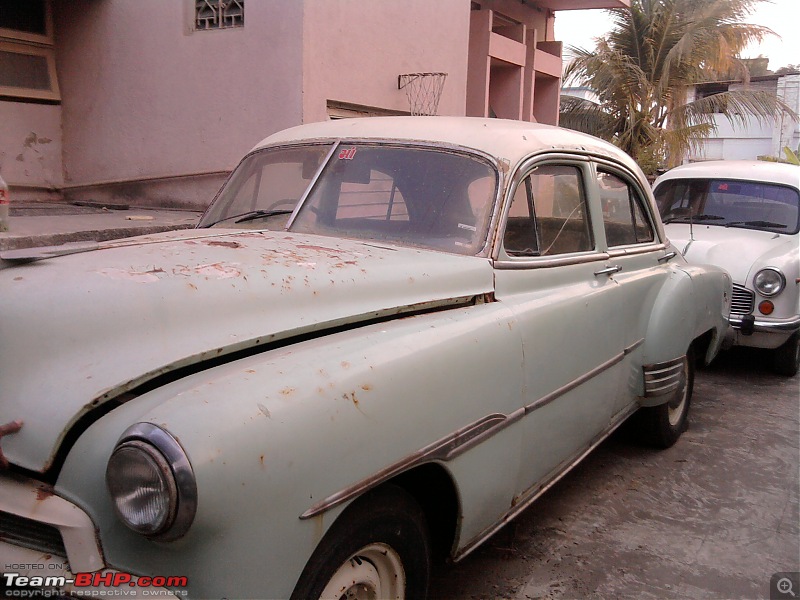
<point x="769" y="282"/>
<point x="151" y="483"/>
<point x="142" y="487"/>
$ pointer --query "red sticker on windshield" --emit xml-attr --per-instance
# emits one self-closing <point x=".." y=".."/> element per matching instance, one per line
<point x="723" y="187"/>
<point x="347" y="153"/>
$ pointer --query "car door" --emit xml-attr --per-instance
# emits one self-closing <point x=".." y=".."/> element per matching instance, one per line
<point x="641" y="264"/>
<point x="552" y="276"/>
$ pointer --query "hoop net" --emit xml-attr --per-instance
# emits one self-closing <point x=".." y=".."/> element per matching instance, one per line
<point x="423" y="91"/>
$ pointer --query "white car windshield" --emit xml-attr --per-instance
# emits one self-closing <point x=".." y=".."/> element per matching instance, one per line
<point x="400" y="194"/>
<point x="730" y="203"/>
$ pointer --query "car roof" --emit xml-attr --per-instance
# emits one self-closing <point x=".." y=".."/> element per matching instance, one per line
<point x="744" y="170"/>
<point x="506" y="140"/>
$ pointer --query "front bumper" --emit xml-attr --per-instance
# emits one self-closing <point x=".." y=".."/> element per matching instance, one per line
<point x="789" y="325"/>
<point x="45" y="535"/>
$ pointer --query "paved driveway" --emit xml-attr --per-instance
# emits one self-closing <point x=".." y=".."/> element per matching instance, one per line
<point x="713" y="517"/>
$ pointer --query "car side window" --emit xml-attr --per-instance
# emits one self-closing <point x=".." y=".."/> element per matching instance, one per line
<point x="624" y="216"/>
<point x="548" y="214"/>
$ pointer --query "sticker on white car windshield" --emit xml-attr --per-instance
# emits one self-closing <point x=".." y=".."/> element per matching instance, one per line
<point x="347" y="153"/>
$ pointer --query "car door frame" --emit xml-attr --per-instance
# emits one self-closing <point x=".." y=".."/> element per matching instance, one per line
<point x="643" y="268"/>
<point x="575" y="281"/>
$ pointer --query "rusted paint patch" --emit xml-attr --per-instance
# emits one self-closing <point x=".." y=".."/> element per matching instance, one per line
<point x="351" y="396"/>
<point x="213" y="270"/>
<point x="149" y="276"/>
<point x="320" y="249"/>
<point x="43" y="492"/>
<point x="224" y="244"/>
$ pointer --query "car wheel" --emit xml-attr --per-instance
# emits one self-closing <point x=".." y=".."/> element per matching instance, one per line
<point x="378" y="548"/>
<point x="662" y="425"/>
<point x="786" y="358"/>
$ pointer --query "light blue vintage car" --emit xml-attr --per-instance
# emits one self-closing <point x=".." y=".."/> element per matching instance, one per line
<point x="385" y="340"/>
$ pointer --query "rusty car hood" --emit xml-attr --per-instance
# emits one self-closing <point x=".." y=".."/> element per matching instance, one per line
<point x="80" y="329"/>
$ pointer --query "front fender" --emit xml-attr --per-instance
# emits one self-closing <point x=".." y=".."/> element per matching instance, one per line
<point x="271" y="435"/>
<point x="694" y="300"/>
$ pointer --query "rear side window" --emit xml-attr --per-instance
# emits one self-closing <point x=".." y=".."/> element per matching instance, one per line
<point x="548" y="214"/>
<point x="624" y="217"/>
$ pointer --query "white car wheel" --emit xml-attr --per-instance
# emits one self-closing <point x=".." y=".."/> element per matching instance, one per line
<point x="373" y="572"/>
<point x="378" y="548"/>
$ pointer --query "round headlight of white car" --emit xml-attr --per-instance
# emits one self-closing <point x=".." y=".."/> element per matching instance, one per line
<point x="151" y="483"/>
<point x="769" y="282"/>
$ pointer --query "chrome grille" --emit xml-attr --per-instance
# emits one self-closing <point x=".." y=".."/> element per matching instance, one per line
<point x="31" y="534"/>
<point x="743" y="300"/>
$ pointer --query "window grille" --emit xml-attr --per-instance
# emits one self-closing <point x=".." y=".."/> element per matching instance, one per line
<point x="218" y="14"/>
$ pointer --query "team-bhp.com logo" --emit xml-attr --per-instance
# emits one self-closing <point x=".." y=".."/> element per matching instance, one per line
<point x="16" y="585"/>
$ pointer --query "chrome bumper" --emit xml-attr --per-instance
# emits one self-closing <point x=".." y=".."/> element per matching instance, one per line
<point x="789" y="325"/>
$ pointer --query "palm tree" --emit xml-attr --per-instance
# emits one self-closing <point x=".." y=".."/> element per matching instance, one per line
<point x="642" y="69"/>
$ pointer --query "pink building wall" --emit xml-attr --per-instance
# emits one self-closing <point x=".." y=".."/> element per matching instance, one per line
<point x="30" y="149"/>
<point x="144" y="99"/>
<point x="355" y="50"/>
<point x="153" y="113"/>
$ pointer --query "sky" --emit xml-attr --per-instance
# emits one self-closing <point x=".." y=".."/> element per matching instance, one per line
<point x="579" y="27"/>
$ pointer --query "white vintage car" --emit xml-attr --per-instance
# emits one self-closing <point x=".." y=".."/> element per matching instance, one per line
<point x="386" y="338"/>
<point x="744" y="216"/>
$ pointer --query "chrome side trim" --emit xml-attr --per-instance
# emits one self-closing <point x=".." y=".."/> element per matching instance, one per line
<point x="543" y="262"/>
<point x="783" y="325"/>
<point x="524" y="501"/>
<point x="664" y="378"/>
<point x="443" y="449"/>
<point x="645" y="248"/>
<point x="554" y="395"/>
<point x="455" y="444"/>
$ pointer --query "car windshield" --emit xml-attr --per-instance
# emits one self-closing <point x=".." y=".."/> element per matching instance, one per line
<point x="730" y="203"/>
<point x="265" y="188"/>
<point x="400" y="194"/>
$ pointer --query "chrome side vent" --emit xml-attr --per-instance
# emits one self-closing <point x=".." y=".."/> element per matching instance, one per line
<point x="664" y="378"/>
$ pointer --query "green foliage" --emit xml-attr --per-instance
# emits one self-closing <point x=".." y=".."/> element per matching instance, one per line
<point x="642" y="69"/>
<point x="791" y="157"/>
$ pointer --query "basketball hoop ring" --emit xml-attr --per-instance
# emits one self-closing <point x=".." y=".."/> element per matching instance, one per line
<point x="423" y="91"/>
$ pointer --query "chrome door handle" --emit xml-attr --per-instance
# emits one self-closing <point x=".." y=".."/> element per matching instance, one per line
<point x="668" y="256"/>
<point x="609" y="270"/>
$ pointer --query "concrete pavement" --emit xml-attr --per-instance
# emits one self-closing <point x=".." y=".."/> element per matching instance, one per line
<point x="34" y="224"/>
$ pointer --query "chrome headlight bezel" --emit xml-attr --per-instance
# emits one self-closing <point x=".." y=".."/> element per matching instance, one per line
<point x="769" y="276"/>
<point x="161" y="452"/>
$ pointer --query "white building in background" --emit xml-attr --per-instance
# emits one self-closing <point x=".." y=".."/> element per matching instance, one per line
<point x="766" y="138"/>
<point x="581" y="91"/>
